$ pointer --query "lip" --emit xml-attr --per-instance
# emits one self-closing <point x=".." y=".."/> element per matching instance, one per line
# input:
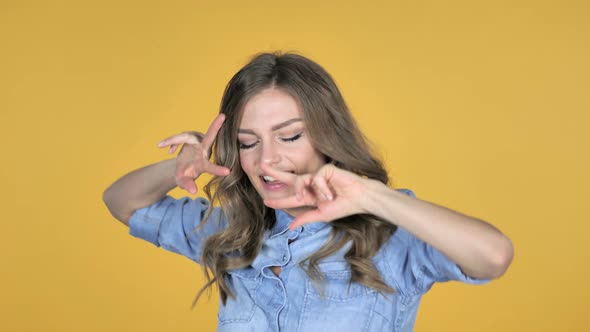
<point x="274" y="186"/>
<point x="277" y="186"/>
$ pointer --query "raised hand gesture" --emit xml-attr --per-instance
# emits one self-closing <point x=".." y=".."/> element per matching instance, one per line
<point x="193" y="158"/>
<point x="331" y="193"/>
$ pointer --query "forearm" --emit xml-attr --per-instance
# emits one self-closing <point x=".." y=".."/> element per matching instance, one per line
<point x="480" y="250"/>
<point x="140" y="188"/>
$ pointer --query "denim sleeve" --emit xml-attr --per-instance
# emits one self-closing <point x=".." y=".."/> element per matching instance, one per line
<point x="170" y="223"/>
<point x="418" y="264"/>
<point x="433" y="266"/>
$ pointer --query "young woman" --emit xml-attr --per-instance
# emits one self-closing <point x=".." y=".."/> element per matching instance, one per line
<point x="307" y="235"/>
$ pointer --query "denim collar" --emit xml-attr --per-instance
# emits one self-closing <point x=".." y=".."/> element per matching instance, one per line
<point x="283" y="220"/>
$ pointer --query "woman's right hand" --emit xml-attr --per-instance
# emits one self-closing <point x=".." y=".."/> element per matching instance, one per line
<point x="193" y="158"/>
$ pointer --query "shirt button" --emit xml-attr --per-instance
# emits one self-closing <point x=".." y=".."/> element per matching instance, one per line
<point x="284" y="258"/>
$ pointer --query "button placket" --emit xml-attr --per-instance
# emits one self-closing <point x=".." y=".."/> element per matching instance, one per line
<point x="290" y="238"/>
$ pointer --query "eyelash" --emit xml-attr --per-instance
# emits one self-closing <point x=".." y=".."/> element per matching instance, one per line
<point x="292" y="139"/>
<point x="287" y="140"/>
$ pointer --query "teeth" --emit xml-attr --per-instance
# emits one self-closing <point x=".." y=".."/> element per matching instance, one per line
<point x="268" y="178"/>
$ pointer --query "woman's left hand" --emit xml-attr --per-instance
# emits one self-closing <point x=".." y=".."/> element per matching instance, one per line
<point x="331" y="193"/>
<point x="480" y="250"/>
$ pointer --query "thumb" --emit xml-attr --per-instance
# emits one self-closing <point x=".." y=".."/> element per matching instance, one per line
<point x="306" y="218"/>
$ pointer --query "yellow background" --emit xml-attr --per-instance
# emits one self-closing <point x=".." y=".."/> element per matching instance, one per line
<point x="478" y="106"/>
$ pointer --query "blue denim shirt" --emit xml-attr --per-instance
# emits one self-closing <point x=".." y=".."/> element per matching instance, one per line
<point x="290" y="301"/>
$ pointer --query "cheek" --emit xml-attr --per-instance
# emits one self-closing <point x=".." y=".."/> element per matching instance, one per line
<point x="246" y="163"/>
<point x="310" y="159"/>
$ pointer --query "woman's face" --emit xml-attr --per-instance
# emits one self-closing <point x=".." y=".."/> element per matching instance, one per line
<point x="272" y="131"/>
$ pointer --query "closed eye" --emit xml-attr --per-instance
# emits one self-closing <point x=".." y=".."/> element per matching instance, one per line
<point x="291" y="139"/>
<point x="247" y="146"/>
<point x="288" y="140"/>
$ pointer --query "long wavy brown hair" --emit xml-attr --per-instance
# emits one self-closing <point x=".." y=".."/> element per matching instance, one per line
<point x="332" y="131"/>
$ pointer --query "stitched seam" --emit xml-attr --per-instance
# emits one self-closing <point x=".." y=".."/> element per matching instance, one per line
<point x="386" y="262"/>
<point x="250" y="315"/>
<point x="371" y="312"/>
<point x="384" y="318"/>
<point x="304" y="315"/>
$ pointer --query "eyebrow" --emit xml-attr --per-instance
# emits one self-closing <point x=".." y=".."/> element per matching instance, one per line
<point x="273" y="128"/>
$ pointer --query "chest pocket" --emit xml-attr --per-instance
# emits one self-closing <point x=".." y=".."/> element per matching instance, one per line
<point x="337" y="305"/>
<point x="244" y="283"/>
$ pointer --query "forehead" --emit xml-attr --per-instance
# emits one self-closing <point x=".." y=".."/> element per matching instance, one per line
<point x="269" y="107"/>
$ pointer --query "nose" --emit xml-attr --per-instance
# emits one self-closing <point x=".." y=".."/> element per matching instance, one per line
<point x="270" y="154"/>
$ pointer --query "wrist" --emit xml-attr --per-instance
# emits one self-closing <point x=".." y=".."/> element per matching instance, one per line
<point x="384" y="202"/>
<point x="373" y="195"/>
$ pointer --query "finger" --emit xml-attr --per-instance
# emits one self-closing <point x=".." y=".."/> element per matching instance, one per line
<point x="307" y="217"/>
<point x="216" y="169"/>
<point x="173" y="148"/>
<point x="284" y="203"/>
<point x="285" y="177"/>
<point x="321" y="187"/>
<point x="188" y="185"/>
<point x="182" y="138"/>
<point x="301" y="184"/>
<point x="211" y="133"/>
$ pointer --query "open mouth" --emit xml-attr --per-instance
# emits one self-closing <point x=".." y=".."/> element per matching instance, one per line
<point x="270" y="180"/>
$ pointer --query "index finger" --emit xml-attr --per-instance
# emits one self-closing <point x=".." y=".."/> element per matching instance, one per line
<point x="211" y="133"/>
<point x="284" y="177"/>
<point x="186" y="137"/>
